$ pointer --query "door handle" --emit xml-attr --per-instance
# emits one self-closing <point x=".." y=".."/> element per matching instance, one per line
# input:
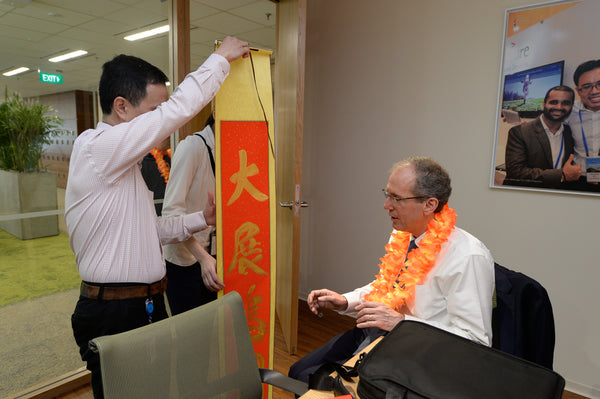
<point x="291" y="204"/>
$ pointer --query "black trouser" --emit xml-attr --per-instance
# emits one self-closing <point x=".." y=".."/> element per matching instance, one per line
<point x="94" y="318"/>
<point x="185" y="288"/>
<point x="339" y="349"/>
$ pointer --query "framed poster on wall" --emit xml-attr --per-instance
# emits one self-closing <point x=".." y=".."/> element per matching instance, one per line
<point x="548" y="117"/>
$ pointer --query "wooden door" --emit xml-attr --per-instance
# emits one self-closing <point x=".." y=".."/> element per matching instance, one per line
<point x="289" y="109"/>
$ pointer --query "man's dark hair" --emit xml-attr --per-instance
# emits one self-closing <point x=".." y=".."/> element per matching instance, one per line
<point x="583" y="68"/>
<point x="432" y="181"/>
<point x="127" y="76"/>
<point x="561" y="88"/>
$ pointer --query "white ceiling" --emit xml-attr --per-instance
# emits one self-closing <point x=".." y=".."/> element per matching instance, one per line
<point x="31" y="31"/>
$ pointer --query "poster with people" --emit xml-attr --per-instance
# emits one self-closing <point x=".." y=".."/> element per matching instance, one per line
<point x="548" y="119"/>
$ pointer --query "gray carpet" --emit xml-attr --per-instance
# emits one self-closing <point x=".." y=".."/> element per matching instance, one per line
<point x="36" y="342"/>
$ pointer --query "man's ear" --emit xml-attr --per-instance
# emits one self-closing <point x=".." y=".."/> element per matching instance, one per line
<point x="120" y="107"/>
<point x="430" y="205"/>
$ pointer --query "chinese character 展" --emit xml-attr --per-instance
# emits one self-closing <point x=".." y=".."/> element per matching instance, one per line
<point x="247" y="250"/>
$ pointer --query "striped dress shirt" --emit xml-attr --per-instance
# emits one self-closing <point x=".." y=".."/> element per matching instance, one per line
<point x="113" y="228"/>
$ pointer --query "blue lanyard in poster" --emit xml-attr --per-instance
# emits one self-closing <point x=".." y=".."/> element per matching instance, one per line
<point x="562" y="144"/>
<point x="587" y="153"/>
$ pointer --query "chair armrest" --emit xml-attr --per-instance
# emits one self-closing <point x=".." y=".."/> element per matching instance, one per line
<point x="282" y="381"/>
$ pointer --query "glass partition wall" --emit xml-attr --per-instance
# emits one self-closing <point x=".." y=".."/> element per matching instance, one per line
<point x="37" y="270"/>
<point x="37" y="267"/>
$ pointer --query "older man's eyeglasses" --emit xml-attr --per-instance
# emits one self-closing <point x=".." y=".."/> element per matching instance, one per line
<point x="588" y="86"/>
<point x="395" y="199"/>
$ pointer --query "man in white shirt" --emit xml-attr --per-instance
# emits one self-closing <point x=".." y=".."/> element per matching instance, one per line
<point x="540" y="152"/>
<point x="453" y="291"/>
<point x="114" y="231"/>
<point x="191" y="268"/>
<point x="585" y="119"/>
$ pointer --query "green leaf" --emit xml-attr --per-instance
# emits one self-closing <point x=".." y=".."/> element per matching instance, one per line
<point x="25" y="126"/>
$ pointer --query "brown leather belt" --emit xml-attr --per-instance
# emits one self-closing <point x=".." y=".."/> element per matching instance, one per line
<point x="109" y="292"/>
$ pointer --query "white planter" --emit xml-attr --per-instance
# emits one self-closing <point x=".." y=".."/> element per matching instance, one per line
<point x="28" y="192"/>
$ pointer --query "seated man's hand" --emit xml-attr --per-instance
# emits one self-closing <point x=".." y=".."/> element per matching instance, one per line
<point x="376" y="314"/>
<point x="570" y="170"/>
<point x="326" y="299"/>
<point x="210" y="210"/>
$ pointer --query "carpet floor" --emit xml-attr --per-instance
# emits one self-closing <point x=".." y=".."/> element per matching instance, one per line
<point x="37" y="341"/>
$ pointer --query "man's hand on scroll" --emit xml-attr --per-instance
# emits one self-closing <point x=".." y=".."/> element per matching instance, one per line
<point x="210" y="210"/>
<point x="232" y="48"/>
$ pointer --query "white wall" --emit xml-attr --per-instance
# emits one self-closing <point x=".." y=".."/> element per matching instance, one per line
<point x="387" y="79"/>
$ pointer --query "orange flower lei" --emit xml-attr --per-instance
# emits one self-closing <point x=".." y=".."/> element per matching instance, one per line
<point x="163" y="166"/>
<point x="395" y="283"/>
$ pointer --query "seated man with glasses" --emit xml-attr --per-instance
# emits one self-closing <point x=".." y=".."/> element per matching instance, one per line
<point x="585" y="118"/>
<point x="433" y="272"/>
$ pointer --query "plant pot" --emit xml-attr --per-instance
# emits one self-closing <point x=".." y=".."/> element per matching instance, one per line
<point x="24" y="192"/>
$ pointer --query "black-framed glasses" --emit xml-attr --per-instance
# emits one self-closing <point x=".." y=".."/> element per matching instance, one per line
<point x="589" y="86"/>
<point x="395" y="199"/>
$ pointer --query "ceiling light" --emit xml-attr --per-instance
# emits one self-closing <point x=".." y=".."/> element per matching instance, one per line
<point x="68" y="56"/>
<point x="16" y="71"/>
<point x="148" y="33"/>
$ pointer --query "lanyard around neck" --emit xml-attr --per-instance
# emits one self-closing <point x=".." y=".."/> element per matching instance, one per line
<point x="587" y="153"/>
<point x="562" y="144"/>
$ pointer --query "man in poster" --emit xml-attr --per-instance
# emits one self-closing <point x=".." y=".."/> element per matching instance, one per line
<point x="585" y="120"/>
<point x="539" y="153"/>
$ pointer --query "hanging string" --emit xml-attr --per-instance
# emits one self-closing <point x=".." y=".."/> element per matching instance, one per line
<point x="261" y="104"/>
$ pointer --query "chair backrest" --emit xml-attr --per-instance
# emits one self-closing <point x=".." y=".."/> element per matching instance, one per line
<point x="523" y="321"/>
<point x="201" y="353"/>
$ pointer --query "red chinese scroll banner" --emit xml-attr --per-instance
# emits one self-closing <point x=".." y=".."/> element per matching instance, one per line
<point x="246" y="224"/>
<point x="246" y="196"/>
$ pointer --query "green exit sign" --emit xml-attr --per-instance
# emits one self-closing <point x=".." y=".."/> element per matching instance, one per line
<point x="51" y="78"/>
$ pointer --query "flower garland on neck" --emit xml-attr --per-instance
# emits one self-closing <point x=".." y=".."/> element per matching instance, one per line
<point x="398" y="275"/>
<point x="163" y="166"/>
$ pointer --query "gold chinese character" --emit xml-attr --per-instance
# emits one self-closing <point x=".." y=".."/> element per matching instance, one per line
<point x="240" y="179"/>
<point x="247" y="250"/>
<point x="256" y="326"/>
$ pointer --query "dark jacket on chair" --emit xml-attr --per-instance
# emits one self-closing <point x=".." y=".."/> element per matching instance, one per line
<point x="523" y="318"/>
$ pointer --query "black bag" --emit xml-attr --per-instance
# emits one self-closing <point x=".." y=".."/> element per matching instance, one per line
<point x="416" y="360"/>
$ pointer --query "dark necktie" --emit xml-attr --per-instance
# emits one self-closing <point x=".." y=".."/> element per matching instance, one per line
<point x="412" y="245"/>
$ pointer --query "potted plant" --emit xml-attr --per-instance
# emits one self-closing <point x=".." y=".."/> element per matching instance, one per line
<point x="25" y="126"/>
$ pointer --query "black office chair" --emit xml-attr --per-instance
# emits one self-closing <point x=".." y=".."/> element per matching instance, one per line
<point x="202" y="353"/>
<point x="522" y="321"/>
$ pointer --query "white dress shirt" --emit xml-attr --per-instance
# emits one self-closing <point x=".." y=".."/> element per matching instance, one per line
<point x="457" y="294"/>
<point x="556" y="143"/>
<point x="590" y="129"/>
<point x="190" y="180"/>
<point x="113" y="228"/>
